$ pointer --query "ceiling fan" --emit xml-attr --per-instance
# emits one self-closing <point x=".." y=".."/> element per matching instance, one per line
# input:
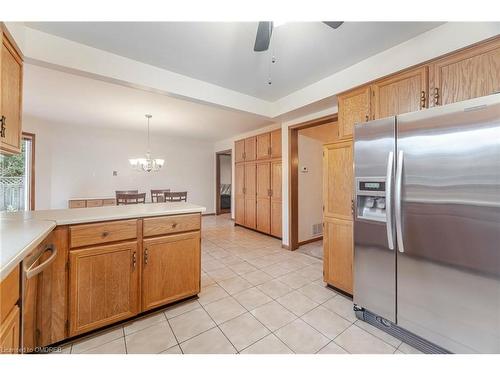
<point x="265" y="30"/>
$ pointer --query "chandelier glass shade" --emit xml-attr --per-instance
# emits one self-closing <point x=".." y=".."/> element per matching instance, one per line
<point x="147" y="164"/>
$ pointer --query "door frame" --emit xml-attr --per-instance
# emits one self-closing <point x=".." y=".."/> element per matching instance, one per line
<point x="218" y="210"/>
<point x="293" y="165"/>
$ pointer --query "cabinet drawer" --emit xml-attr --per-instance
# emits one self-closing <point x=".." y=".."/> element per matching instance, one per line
<point x="94" y="203"/>
<point x="77" y="204"/>
<point x="9" y="293"/>
<point x="155" y="226"/>
<point x="108" y="202"/>
<point x="91" y="234"/>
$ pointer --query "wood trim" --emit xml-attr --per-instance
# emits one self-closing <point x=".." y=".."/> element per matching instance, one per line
<point x="316" y="122"/>
<point x="32" y="138"/>
<point x="311" y="240"/>
<point x="293" y="183"/>
<point x="218" y="210"/>
<point x="12" y="41"/>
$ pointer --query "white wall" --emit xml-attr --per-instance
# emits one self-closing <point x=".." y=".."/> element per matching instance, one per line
<point x="310" y="185"/>
<point x="76" y="161"/>
<point x="225" y="169"/>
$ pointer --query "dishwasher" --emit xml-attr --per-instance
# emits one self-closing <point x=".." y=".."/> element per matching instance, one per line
<point x="36" y="300"/>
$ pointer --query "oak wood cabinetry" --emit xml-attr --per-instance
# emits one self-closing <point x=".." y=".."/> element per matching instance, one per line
<point x="11" y="85"/>
<point x="354" y="107"/>
<point x="104" y="283"/>
<point x="171" y="269"/>
<point x="239" y="196"/>
<point x="118" y="269"/>
<point x="467" y="74"/>
<point x="91" y="202"/>
<point x="338" y="253"/>
<point x="400" y="93"/>
<point x="9" y="313"/>
<point x="276" y="200"/>
<point x="337" y="214"/>
<point x="239" y="151"/>
<point x="257" y="189"/>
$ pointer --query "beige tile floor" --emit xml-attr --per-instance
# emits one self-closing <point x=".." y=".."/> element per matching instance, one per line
<point x="256" y="298"/>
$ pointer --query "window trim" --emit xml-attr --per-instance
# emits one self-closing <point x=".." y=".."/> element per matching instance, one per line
<point x="31" y="138"/>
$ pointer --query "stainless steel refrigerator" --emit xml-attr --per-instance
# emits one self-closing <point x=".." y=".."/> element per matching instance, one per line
<point x="427" y="226"/>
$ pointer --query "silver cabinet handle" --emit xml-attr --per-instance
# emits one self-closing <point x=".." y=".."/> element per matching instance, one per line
<point x="33" y="271"/>
<point x="388" y="200"/>
<point x="397" y="202"/>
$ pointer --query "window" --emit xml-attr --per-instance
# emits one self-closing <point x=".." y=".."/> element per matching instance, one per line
<point x="17" y="177"/>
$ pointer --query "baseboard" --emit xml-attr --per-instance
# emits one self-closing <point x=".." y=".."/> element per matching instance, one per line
<point x="320" y="238"/>
<point x="209" y="214"/>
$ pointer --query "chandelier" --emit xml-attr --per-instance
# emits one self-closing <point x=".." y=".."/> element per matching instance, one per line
<point x="147" y="164"/>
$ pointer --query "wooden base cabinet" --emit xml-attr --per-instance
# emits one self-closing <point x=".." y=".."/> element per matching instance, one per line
<point x="171" y="269"/>
<point x="9" y="313"/>
<point x="104" y="286"/>
<point x="9" y="332"/>
<point x="338" y="254"/>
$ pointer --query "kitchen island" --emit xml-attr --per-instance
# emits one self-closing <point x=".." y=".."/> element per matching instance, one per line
<point x="87" y="268"/>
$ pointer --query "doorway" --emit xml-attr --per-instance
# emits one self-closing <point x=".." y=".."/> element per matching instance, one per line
<point x="306" y="182"/>
<point x="223" y="182"/>
<point x="17" y="177"/>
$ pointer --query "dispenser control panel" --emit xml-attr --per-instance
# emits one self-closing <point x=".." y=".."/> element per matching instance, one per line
<point x="370" y="198"/>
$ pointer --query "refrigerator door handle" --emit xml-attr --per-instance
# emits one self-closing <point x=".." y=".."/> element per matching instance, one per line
<point x="397" y="201"/>
<point x="388" y="200"/>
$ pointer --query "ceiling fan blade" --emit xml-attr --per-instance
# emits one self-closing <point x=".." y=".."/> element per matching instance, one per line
<point x="333" y="24"/>
<point x="263" y="37"/>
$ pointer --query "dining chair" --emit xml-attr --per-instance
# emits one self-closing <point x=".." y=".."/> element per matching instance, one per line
<point x="130" y="198"/>
<point x="158" y="195"/>
<point x="176" y="196"/>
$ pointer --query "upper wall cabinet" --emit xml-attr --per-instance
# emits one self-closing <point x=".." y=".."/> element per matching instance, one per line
<point x="275" y="143"/>
<point x="263" y="146"/>
<point x="467" y="74"/>
<point x="239" y="151"/>
<point x="400" y="93"/>
<point x="250" y="149"/>
<point x="11" y="78"/>
<point x="354" y="107"/>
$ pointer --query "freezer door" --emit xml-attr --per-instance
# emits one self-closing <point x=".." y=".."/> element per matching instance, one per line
<point x="448" y="279"/>
<point x="374" y="254"/>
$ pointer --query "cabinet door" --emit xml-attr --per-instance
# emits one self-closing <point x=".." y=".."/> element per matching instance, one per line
<point x="250" y="149"/>
<point x="338" y="180"/>
<point x="276" y="180"/>
<point x="239" y="196"/>
<point x="354" y="107"/>
<point x="171" y="269"/>
<point x="338" y="253"/>
<point x="239" y="151"/>
<point x="401" y="93"/>
<point x="264" y="197"/>
<point x="9" y="332"/>
<point x="466" y="74"/>
<point x="250" y="190"/>
<point x="263" y="146"/>
<point x="276" y="143"/>
<point x="11" y="74"/>
<point x="103" y="286"/>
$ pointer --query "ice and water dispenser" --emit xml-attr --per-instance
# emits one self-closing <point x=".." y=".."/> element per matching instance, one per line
<point x="370" y="196"/>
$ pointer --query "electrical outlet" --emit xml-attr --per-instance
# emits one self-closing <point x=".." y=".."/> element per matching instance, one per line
<point x="304" y="169"/>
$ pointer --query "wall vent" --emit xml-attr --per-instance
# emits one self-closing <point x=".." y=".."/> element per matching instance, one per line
<point x="317" y="229"/>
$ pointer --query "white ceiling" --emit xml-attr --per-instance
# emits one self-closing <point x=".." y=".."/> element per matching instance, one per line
<point x="76" y="100"/>
<point x="222" y="52"/>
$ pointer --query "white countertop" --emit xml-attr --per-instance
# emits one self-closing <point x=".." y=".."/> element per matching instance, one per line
<point x="22" y="231"/>
<point x="18" y="238"/>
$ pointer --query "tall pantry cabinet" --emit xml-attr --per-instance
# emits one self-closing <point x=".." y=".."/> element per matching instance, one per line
<point x="258" y="182"/>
